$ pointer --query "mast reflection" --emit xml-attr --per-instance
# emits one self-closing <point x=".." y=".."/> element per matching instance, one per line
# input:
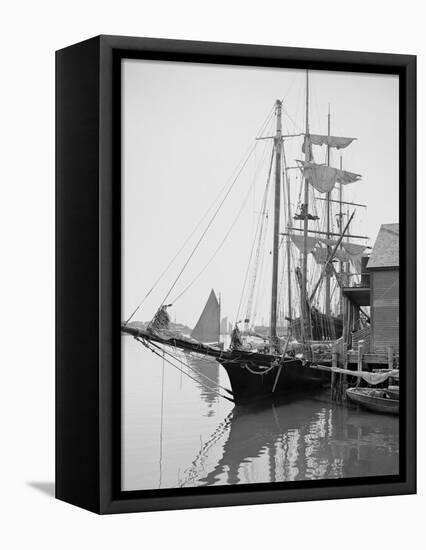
<point x="305" y="439"/>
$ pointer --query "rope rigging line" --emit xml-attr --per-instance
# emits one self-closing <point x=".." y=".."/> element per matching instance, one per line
<point x="161" y="426"/>
<point x="261" y="270"/>
<point x="195" y="279"/>
<point x="191" y="474"/>
<point x="260" y="234"/>
<point x="184" y="364"/>
<point x="209" y="224"/>
<point x="245" y="283"/>
<point x="247" y="154"/>
<point x="179" y="369"/>
<point x="163" y="353"/>
<point x="198" y="373"/>
<point x="260" y="373"/>
<point x="220" y="245"/>
<point x="295" y="124"/>
<point x="265" y="221"/>
<point x="205" y="231"/>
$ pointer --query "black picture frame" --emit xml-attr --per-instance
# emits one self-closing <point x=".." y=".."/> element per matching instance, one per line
<point x="88" y="270"/>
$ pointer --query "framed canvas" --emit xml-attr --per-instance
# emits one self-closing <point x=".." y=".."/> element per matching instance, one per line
<point x="235" y="274"/>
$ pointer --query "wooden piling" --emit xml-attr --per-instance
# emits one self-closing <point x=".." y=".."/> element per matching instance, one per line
<point x="343" y="377"/>
<point x="345" y="318"/>
<point x="391" y="363"/>
<point x="334" y="359"/>
<point x="345" y="356"/>
<point x="390" y="357"/>
<point x="359" y="359"/>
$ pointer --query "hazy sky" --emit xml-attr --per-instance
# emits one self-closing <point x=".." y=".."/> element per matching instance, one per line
<point x="186" y="127"/>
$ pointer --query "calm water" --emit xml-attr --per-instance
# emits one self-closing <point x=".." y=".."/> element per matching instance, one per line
<point x="192" y="437"/>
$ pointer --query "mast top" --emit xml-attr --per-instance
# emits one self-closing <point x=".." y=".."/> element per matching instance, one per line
<point x="278" y="106"/>
<point x="307" y="104"/>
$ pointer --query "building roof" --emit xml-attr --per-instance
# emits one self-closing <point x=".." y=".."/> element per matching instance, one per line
<point x="359" y="296"/>
<point x="386" y="248"/>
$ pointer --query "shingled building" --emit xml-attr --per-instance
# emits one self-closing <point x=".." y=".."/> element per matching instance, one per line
<point x="383" y="267"/>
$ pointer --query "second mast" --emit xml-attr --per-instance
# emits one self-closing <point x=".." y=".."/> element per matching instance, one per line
<point x="275" y="245"/>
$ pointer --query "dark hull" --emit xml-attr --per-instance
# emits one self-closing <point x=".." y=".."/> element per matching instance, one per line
<point x="253" y="376"/>
<point x="248" y="386"/>
<point x="322" y="327"/>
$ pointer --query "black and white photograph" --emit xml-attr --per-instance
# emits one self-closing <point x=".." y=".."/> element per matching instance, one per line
<point x="260" y="259"/>
<point x="212" y="237"/>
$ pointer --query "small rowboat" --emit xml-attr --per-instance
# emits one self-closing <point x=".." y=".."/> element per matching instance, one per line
<point x="393" y="392"/>
<point x="375" y="400"/>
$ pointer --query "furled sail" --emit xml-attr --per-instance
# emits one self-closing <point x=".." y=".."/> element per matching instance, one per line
<point x="321" y="254"/>
<point x="299" y="240"/>
<point x="354" y="250"/>
<point x="354" y="253"/>
<point x="332" y="141"/>
<point x="323" y="178"/>
<point x="307" y="148"/>
<point x="341" y="255"/>
<point x="161" y="320"/>
<point x="207" y="328"/>
<point x="348" y="252"/>
<point x="328" y="242"/>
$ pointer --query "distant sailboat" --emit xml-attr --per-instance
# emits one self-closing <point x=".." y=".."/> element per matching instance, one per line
<point x="207" y="331"/>
<point x="208" y="326"/>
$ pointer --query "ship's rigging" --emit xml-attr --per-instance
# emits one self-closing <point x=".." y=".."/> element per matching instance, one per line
<point x="312" y="257"/>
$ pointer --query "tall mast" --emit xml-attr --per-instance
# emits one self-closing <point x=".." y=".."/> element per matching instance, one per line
<point x="327" y="275"/>
<point x="342" y="282"/>
<point x="277" y="199"/>
<point x="303" y="309"/>
<point x="289" y="228"/>
<point x="220" y="308"/>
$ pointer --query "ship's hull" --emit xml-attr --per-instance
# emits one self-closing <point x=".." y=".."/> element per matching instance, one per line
<point x="253" y="376"/>
<point x="254" y="382"/>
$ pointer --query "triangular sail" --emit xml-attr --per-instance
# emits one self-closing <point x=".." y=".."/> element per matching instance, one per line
<point x="207" y="328"/>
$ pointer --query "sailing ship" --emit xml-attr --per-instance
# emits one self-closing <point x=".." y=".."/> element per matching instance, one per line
<point x="282" y="363"/>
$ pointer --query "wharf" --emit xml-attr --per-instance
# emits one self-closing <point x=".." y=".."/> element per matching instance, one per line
<point x="343" y="363"/>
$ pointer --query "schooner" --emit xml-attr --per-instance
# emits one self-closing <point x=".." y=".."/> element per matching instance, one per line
<point x="282" y="362"/>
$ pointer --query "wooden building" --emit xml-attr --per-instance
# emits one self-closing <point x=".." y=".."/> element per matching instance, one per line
<point x="383" y="267"/>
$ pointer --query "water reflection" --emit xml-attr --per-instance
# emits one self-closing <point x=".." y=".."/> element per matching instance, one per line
<point x="205" y="369"/>
<point x="304" y="439"/>
<point x="178" y="433"/>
